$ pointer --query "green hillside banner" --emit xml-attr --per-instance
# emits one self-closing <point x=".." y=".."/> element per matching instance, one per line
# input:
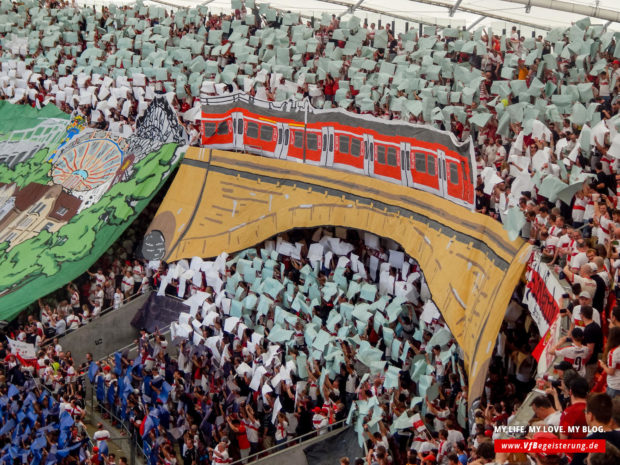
<point x="68" y="192"/>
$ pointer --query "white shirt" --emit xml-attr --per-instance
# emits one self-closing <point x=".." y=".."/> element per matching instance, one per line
<point x="118" y="299"/>
<point x="127" y="283"/>
<point x="99" y="297"/>
<point x="99" y="278"/>
<point x="579" y="209"/>
<point x="319" y="421"/>
<point x="553" y="419"/>
<point x="578" y="261"/>
<point x="596" y="317"/>
<point x="96" y="310"/>
<point x="251" y="429"/>
<point x="455" y="436"/>
<point x="551" y="243"/>
<point x="61" y="326"/>
<point x="575" y="355"/>
<point x="137" y="273"/>
<point x="220" y="457"/>
<point x="613" y="361"/>
<point x="605" y="227"/>
<point x="101" y="435"/>
<point x="281" y="430"/>
<point x="73" y="321"/>
<point x="75" y="300"/>
<point x="587" y="284"/>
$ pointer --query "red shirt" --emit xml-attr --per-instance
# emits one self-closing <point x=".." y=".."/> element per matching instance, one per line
<point x="574" y="415"/>
<point x="242" y="438"/>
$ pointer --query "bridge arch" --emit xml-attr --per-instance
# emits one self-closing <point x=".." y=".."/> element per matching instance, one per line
<point x="225" y="202"/>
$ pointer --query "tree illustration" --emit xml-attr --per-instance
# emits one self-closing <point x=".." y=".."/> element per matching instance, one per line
<point x="45" y="254"/>
<point x="36" y="169"/>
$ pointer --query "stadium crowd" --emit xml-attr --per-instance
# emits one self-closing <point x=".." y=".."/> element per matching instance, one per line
<point x="306" y="331"/>
<point x="539" y="109"/>
<point x="117" y="277"/>
<point x="249" y="375"/>
<point x="278" y="343"/>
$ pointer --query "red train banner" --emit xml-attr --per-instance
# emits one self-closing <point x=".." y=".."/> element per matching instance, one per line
<point x="417" y="156"/>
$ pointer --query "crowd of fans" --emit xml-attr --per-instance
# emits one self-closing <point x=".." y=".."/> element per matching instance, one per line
<point x="291" y="338"/>
<point x="42" y="408"/>
<point x="537" y="108"/>
<point x="117" y="277"/>
<point x="244" y="384"/>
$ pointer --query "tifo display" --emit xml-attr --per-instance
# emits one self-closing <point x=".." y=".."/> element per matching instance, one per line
<point x="403" y="153"/>
<point x="254" y="235"/>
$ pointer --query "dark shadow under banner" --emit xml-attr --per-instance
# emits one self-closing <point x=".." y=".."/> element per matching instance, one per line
<point x="329" y="451"/>
<point x="158" y="312"/>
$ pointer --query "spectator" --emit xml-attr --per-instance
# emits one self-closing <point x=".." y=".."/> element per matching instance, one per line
<point x="611" y="365"/>
<point x="598" y="416"/>
<point x="574" y="414"/>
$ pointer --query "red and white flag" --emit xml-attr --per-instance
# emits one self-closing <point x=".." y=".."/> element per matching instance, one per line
<point x="418" y="424"/>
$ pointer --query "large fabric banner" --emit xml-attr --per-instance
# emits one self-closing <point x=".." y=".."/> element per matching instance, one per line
<point x="543" y="297"/>
<point x="227" y="202"/>
<point x="67" y="193"/>
<point x="403" y="153"/>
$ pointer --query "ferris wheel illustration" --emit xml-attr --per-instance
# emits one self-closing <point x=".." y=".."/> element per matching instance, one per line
<point x="87" y="164"/>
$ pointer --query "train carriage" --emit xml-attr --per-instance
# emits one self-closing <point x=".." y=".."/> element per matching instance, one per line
<point x="305" y="145"/>
<point x="348" y="150"/>
<point x="261" y="137"/>
<point x="416" y="156"/>
<point x="218" y="132"/>
<point x="387" y="161"/>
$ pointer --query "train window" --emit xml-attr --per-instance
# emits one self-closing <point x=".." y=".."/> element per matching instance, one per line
<point x="266" y="133"/>
<point x="279" y="135"/>
<point x="356" y="145"/>
<point x="209" y="129"/>
<point x="312" y="141"/>
<point x="223" y="128"/>
<point x="343" y="144"/>
<point x="391" y="156"/>
<point x="431" y="165"/>
<point x="252" y="132"/>
<point x="454" y="173"/>
<point x="420" y="162"/>
<point x="239" y="126"/>
<point x="381" y="154"/>
<point x="298" y="141"/>
<point x="286" y="136"/>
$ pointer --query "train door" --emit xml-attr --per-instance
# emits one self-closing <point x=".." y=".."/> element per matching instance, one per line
<point x="441" y="162"/>
<point x="327" y="148"/>
<point x="284" y="134"/>
<point x="427" y="170"/>
<point x="405" y="164"/>
<point x="369" y="154"/>
<point x="468" y="184"/>
<point x="455" y="182"/>
<point x="237" y="130"/>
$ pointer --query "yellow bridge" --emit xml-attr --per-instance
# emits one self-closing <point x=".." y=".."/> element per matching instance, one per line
<point x="223" y="201"/>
